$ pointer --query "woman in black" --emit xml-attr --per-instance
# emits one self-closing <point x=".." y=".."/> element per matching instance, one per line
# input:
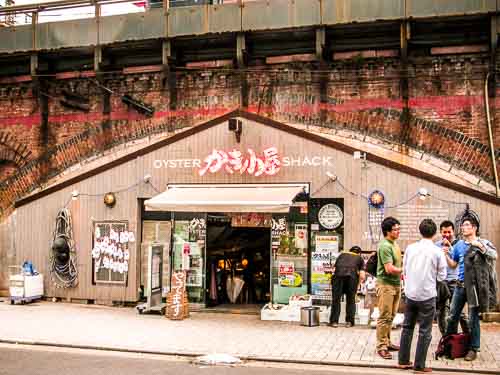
<point x="347" y="274"/>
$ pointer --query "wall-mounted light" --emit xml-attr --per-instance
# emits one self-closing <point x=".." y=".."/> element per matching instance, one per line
<point x="236" y="126"/>
<point x="110" y="199"/>
<point x="74" y="195"/>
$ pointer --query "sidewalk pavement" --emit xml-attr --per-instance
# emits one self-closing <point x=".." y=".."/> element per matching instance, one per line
<point x="245" y="336"/>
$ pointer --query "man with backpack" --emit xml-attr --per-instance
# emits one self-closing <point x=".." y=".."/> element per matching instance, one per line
<point x="475" y="285"/>
<point x="388" y="285"/>
<point x="423" y="264"/>
<point x="348" y="273"/>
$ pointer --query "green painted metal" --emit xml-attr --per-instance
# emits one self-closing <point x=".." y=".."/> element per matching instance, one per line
<point x="188" y="21"/>
<point x="16" y="39"/>
<point x="136" y="26"/>
<point x="278" y="14"/>
<point x="433" y="8"/>
<point x="224" y="18"/>
<point x="346" y="11"/>
<point x="254" y="15"/>
<point x="75" y="33"/>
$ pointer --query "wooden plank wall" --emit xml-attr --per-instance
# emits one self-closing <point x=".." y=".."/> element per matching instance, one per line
<point x="397" y="187"/>
<point x="7" y="252"/>
<point x="36" y="222"/>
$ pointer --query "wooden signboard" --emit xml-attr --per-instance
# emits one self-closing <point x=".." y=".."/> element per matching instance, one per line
<point x="251" y="220"/>
<point x="177" y="302"/>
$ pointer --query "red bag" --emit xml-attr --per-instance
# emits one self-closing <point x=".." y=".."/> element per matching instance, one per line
<point x="453" y="346"/>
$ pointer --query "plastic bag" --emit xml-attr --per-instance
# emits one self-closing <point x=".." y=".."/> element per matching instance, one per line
<point x="29" y="269"/>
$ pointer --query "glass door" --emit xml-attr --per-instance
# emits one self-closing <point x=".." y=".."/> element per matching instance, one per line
<point x="289" y="252"/>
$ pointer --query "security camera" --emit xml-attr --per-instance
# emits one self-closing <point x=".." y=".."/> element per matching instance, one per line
<point x="233" y="124"/>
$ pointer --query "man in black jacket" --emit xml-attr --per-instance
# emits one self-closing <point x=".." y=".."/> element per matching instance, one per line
<point x="348" y="273"/>
<point x="468" y="286"/>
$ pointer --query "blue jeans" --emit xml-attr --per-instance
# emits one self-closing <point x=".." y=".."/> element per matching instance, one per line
<point x="423" y="313"/>
<point x="457" y="304"/>
<point x="443" y="312"/>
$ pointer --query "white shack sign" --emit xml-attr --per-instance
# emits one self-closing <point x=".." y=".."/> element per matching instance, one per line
<point x="267" y="163"/>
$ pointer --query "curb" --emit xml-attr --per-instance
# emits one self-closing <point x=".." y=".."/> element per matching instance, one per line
<point x="244" y="358"/>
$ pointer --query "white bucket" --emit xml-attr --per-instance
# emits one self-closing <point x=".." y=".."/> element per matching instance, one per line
<point x="364" y="315"/>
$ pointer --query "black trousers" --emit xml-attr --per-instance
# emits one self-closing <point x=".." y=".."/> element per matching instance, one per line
<point x="347" y="285"/>
<point x="421" y="312"/>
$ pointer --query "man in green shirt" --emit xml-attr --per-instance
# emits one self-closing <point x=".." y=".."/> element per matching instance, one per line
<point x="388" y="285"/>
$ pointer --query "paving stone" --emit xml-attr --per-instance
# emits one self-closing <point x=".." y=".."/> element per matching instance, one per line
<point x="205" y="333"/>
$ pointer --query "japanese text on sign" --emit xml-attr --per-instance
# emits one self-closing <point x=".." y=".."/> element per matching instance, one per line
<point x="234" y="161"/>
<point x="175" y="307"/>
<point x="286" y="268"/>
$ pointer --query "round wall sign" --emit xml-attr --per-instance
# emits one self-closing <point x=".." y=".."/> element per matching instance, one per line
<point x="330" y="216"/>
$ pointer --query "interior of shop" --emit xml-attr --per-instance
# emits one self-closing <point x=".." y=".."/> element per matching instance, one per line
<point x="238" y="263"/>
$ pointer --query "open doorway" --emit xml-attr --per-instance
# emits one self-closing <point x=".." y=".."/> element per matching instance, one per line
<point x="238" y="265"/>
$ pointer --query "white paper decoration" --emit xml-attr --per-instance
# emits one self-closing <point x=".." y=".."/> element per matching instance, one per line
<point x="131" y="237"/>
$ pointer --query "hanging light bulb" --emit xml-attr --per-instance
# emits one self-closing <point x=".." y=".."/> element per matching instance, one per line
<point x="423" y="193"/>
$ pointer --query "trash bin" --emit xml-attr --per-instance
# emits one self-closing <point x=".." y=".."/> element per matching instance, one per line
<point x="309" y="316"/>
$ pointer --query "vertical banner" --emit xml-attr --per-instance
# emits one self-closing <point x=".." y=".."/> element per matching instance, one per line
<point x="326" y="218"/>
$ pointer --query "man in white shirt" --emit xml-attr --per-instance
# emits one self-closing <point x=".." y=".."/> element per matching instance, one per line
<point x="423" y="264"/>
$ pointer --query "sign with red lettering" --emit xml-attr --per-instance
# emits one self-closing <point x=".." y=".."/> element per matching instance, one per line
<point x="235" y="162"/>
<point x="286" y="268"/>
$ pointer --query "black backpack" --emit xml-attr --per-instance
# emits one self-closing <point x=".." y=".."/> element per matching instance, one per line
<point x="371" y="264"/>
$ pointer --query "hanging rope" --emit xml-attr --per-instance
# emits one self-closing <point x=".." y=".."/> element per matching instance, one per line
<point x="63" y="261"/>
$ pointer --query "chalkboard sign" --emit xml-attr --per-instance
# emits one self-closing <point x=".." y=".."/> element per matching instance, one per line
<point x="177" y="303"/>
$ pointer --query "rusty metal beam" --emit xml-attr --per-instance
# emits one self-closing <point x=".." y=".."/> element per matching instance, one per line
<point x="404" y="83"/>
<point x="320" y="43"/>
<point x="240" y="50"/>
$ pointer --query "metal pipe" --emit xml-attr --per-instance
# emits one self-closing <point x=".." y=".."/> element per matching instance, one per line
<point x="490" y="135"/>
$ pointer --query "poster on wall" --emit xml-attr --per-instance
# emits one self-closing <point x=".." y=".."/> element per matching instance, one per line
<point x="110" y="251"/>
<point x="324" y="254"/>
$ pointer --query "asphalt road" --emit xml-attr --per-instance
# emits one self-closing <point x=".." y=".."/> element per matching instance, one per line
<point x="40" y="360"/>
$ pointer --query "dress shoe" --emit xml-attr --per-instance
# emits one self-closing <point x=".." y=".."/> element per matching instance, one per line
<point x="407" y="366"/>
<point x="471" y="355"/>
<point x="384" y="354"/>
<point x="393" y="348"/>
<point x="422" y="370"/>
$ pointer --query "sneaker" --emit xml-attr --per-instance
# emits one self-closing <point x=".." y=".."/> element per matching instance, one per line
<point x="349" y="325"/>
<point x="333" y="325"/>
<point x="471" y="355"/>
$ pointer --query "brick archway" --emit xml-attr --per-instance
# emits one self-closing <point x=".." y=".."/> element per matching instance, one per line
<point x="11" y="150"/>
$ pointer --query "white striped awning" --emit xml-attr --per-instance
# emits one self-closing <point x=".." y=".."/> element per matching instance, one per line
<point x="226" y="198"/>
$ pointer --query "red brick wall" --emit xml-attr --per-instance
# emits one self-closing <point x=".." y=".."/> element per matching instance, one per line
<point x="447" y="113"/>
